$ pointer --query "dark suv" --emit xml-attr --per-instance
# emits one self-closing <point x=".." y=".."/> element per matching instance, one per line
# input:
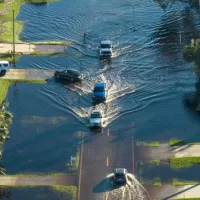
<point x="120" y="177"/>
<point x="70" y="75"/>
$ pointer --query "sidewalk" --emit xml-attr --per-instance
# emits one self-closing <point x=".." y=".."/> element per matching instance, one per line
<point x="27" y="48"/>
<point x="20" y="74"/>
<point x="169" y="192"/>
<point x="67" y="179"/>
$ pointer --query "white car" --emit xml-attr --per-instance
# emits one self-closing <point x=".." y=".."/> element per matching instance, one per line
<point x="96" y="119"/>
<point x="105" y="49"/>
<point x="4" y="67"/>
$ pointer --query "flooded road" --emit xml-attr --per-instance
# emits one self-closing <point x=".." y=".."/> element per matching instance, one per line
<point x="147" y="78"/>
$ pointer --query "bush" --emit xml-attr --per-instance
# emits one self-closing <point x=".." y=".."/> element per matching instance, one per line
<point x="189" y="53"/>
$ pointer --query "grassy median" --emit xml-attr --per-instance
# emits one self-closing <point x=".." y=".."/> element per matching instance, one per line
<point x="175" y="142"/>
<point x="184" y="162"/>
<point x="180" y="182"/>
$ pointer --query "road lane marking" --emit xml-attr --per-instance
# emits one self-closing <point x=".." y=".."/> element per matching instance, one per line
<point x="80" y="169"/>
<point x="108" y="132"/>
<point x="107" y="161"/>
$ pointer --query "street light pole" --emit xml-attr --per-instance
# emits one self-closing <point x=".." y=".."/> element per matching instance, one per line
<point x="14" y="38"/>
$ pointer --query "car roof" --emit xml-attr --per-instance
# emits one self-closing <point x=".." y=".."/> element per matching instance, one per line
<point x="73" y="71"/>
<point x="4" y="62"/>
<point x="105" y="42"/>
<point x="120" y="170"/>
<point x="100" y="85"/>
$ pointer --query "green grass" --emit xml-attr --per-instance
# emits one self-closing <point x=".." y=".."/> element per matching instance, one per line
<point x="149" y="143"/>
<point x="69" y="191"/>
<point x="184" y="162"/>
<point x="179" y="182"/>
<point x="156" y="162"/>
<point x="1" y="6"/>
<point x="7" y="35"/>
<point x="9" y="57"/>
<point x="175" y="142"/>
<point x="4" y="85"/>
<point x="156" y="182"/>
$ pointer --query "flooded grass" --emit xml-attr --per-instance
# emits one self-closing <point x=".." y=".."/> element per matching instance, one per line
<point x="180" y="182"/>
<point x="74" y="167"/>
<point x="184" y="162"/>
<point x="69" y="191"/>
<point x="156" y="181"/>
<point x="175" y="142"/>
<point x="148" y="144"/>
<point x="156" y="162"/>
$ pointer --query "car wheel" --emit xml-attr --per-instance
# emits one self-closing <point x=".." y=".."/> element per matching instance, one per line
<point x="3" y="72"/>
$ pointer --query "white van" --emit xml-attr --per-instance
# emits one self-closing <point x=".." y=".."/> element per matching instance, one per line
<point x="4" y="67"/>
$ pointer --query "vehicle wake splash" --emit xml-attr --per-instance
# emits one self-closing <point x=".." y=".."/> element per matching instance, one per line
<point x="131" y="191"/>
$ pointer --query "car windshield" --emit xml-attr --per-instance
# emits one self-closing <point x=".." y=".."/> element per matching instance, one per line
<point x="5" y="65"/>
<point x="99" y="89"/>
<point x="119" y="175"/>
<point x="95" y="115"/>
<point x="105" y="46"/>
<point x="106" y="52"/>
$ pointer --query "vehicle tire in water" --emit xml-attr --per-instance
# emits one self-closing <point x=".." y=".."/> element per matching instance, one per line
<point x="3" y="72"/>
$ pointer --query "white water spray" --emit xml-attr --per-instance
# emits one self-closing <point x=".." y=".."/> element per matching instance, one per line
<point x="131" y="191"/>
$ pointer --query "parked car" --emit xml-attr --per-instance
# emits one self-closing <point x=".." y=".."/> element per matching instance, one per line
<point x="70" y="75"/>
<point x="120" y="177"/>
<point x="100" y="92"/>
<point x="96" y="119"/>
<point x="105" y="49"/>
<point x="4" y="67"/>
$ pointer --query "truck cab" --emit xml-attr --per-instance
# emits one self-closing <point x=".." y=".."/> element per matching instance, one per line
<point x="100" y="92"/>
<point x="105" y="49"/>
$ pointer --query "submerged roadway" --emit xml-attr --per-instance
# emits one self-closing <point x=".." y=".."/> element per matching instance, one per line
<point x="99" y="157"/>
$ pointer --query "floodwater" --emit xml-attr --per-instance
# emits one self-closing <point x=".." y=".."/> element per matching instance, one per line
<point x="147" y="78"/>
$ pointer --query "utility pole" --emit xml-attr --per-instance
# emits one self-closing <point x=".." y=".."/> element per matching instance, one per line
<point x="14" y="38"/>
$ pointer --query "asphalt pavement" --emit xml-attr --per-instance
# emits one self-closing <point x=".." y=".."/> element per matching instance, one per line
<point x="100" y="155"/>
